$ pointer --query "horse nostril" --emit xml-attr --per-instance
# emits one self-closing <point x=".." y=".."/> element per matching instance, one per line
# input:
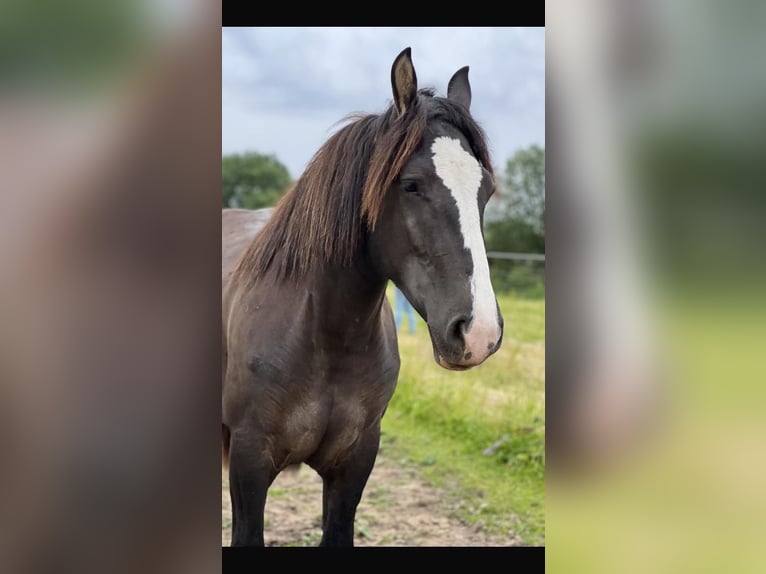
<point x="456" y="330"/>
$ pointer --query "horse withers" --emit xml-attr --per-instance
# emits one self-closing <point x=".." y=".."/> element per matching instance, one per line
<point x="310" y="357"/>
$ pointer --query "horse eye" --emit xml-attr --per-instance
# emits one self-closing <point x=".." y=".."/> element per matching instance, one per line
<point x="409" y="186"/>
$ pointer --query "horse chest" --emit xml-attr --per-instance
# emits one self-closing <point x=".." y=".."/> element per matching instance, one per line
<point x="317" y="410"/>
<point x="324" y="429"/>
<point x="347" y="421"/>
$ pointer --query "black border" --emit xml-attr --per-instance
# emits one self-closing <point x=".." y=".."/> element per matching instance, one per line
<point x="529" y="13"/>
<point x="528" y="558"/>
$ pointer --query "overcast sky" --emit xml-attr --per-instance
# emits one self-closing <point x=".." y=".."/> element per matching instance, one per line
<point x="284" y="89"/>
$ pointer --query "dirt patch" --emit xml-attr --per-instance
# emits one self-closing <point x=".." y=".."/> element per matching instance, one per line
<point x="398" y="509"/>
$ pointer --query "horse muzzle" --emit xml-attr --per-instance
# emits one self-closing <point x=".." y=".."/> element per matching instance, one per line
<point x="466" y="344"/>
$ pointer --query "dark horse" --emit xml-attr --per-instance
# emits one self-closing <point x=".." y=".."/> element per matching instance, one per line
<point x="310" y="357"/>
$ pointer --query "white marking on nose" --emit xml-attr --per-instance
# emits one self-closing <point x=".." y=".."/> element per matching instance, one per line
<point x="461" y="175"/>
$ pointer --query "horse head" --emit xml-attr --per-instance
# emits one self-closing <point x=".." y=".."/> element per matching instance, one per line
<point x="428" y="236"/>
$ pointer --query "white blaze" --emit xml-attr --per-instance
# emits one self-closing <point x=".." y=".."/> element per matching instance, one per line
<point x="461" y="175"/>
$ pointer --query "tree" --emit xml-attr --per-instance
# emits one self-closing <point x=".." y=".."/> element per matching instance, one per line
<point x="514" y="221"/>
<point x="513" y="235"/>
<point x="253" y="180"/>
<point x="521" y="196"/>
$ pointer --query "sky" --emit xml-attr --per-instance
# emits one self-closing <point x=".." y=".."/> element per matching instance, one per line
<point x="285" y="89"/>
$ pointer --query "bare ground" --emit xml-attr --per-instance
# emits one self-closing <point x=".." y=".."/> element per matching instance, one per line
<point x="398" y="509"/>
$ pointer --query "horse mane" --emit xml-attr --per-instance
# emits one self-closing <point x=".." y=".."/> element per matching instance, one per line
<point x="323" y="218"/>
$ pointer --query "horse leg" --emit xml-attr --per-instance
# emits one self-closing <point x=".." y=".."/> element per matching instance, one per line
<point x="343" y="487"/>
<point x="249" y="481"/>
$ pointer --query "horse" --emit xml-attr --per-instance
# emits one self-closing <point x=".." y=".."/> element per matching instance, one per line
<point x="310" y="354"/>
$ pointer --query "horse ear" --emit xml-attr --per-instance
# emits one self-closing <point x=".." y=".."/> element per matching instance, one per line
<point x="403" y="81"/>
<point x="458" y="89"/>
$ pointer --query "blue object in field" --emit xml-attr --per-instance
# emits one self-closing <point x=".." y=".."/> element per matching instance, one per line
<point x="401" y="306"/>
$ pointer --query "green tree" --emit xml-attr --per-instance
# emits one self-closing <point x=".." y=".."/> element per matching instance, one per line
<point x="521" y="194"/>
<point x="514" y="221"/>
<point x="253" y="180"/>
<point x="515" y="218"/>
<point x="514" y="235"/>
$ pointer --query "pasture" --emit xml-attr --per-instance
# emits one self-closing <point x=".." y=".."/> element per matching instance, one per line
<point x="462" y="453"/>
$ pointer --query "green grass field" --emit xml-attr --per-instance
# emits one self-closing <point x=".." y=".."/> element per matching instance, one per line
<point x="443" y="421"/>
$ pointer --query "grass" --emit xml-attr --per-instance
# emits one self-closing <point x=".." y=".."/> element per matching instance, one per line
<point x="443" y="421"/>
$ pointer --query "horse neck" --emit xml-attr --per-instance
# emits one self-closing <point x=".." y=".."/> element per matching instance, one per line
<point x="348" y="300"/>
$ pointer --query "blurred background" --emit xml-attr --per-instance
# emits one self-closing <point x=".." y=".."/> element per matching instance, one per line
<point x="655" y="286"/>
<point x="109" y="298"/>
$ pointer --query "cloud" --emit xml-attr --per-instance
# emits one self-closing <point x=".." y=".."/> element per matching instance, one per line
<point x="284" y="88"/>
